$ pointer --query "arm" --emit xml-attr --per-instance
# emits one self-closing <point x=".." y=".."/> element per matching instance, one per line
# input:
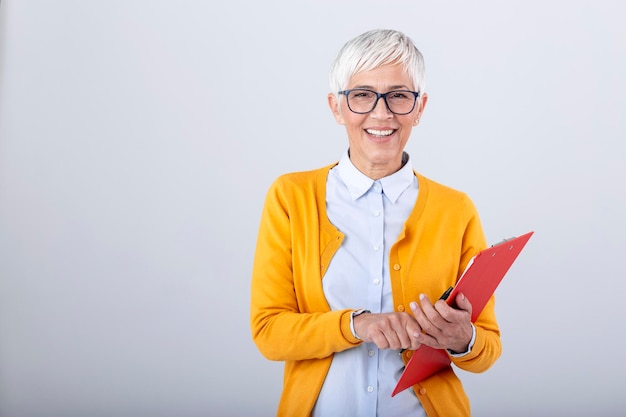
<point x="450" y="328"/>
<point x="290" y="318"/>
<point x="487" y="346"/>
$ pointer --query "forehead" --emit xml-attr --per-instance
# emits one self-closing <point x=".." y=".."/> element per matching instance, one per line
<point x="386" y="77"/>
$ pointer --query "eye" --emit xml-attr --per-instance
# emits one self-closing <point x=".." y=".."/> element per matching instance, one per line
<point x="361" y="94"/>
<point x="400" y="95"/>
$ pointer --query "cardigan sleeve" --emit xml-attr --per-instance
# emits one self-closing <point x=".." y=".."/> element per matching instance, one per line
<point x="289" y="316"/>
<point x="487" y="346"/>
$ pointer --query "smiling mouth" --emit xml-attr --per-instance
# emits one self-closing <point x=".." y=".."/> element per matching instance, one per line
<point x="380" y="133"/>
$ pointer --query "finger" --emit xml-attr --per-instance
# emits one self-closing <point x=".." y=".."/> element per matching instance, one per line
<point x="462" y="310"/>
<point x="422" y="338"/>
<point x="380" y="340"/>
<point x="446" y="312"/>
<point x="384" y="334"/>
<point x="463" y="303"/>
<point x="419" y="314"/>
<point x="422" y="312"/>
<point x="428" y="334"/>
<point x="405" y="338"/>
<point x="393" y="339"/>
<point x="415" y="340"/>
<point x="413" y="330"/>
<point x="435" y="321"/>
<point x="413" y="327"/>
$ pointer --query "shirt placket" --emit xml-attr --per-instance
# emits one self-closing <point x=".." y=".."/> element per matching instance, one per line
<point x="375" y="285"/>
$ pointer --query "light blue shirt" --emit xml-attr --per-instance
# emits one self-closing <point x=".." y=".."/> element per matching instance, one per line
<point x="371" y="214"/>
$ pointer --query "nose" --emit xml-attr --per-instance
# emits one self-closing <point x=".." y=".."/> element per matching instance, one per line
<point x="380" y="109"/>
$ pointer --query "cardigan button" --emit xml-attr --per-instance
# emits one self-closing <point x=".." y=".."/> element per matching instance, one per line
<point x="422" y="391"/>
<point x="396" y="267"/>
<point x="400" y="307"/>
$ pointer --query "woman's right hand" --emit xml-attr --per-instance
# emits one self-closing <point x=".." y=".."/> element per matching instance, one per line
<point x="388" y="330"/>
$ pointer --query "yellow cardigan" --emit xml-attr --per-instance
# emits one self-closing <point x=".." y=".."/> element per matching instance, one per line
<point x="291" y="320"/>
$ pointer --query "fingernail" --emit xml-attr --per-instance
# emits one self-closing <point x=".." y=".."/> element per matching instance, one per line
<point x="413" y="305"/>
<point x="422" y="296"/>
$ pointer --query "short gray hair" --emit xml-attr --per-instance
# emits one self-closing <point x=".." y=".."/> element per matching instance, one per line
<point x="374" y="49"/>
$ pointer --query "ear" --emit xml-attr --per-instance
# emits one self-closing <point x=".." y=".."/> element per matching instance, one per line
<point x="334" y="107"/>
<point x="422" y="103"/>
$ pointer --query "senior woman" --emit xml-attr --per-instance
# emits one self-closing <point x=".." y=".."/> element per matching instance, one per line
<point x="351" y="258"/>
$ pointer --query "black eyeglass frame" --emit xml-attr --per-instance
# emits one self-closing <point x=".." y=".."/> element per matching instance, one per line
<point x="416" y="94"/>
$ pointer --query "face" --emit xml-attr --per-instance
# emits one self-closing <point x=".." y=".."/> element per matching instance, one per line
<point x="377" y="139"/>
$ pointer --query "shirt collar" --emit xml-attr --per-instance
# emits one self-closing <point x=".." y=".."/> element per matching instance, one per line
<point x="359" y="183"/>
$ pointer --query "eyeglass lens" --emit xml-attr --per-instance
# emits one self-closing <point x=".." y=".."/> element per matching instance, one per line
<point x="364" y="101"/>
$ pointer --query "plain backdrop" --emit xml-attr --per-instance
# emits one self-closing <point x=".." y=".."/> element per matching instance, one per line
<point x="138" y="139"/>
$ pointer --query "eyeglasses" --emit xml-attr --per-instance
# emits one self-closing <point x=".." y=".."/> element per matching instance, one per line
<point x="363" y="101"/>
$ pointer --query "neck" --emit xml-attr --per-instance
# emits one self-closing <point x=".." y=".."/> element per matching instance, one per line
<point x="377" y="171"/>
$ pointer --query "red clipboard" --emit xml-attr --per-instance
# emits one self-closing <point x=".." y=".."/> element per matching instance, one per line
<point x="478" y="283"/>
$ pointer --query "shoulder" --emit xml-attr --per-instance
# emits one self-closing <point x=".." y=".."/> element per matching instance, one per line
<point x="302" y="179"/>
<point x="444" y="195"/>
<point x="439" y="188"/>
<point x="299" y="186"/>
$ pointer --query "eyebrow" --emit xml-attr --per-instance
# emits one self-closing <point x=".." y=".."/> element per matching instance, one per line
<point x="393" y="87"/>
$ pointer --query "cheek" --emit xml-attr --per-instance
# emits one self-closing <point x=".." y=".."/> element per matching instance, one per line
<point x="354" y="121"/>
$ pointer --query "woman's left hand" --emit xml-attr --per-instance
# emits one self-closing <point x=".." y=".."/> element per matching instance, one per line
<point x="444" y="327"/>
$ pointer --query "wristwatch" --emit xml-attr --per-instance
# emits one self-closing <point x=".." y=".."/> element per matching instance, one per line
<point x="354" y="314"/>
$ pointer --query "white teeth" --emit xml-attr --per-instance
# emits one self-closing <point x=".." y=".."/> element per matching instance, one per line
<point x="379" y="132"/>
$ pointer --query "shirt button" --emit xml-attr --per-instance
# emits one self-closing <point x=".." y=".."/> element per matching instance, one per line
<point x="376" y="281"/>
<point x="396" y="267"/>
<point x="376" y="213"/>
<point x="376" y="247"/>
<point x="370" y="389"/>
<point x="400" y="307"/>
<point x="371" y="353"/>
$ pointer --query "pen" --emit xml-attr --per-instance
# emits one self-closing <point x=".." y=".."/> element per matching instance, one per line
<point x="446" y="293"/>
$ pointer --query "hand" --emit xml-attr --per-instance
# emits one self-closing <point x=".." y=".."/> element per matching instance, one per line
<point x="388" y="330"/>
<point x="444" y="327"/>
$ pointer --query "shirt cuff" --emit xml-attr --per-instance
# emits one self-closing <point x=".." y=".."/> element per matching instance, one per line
<point x="469" y="346"/>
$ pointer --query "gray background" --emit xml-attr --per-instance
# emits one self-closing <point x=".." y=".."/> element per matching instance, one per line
<point x="138" y="139"/>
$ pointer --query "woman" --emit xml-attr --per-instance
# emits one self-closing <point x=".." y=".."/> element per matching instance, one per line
<point x="351" y="257"/>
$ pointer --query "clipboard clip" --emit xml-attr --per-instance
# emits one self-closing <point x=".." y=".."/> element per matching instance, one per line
<point x="504" y="241"/>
